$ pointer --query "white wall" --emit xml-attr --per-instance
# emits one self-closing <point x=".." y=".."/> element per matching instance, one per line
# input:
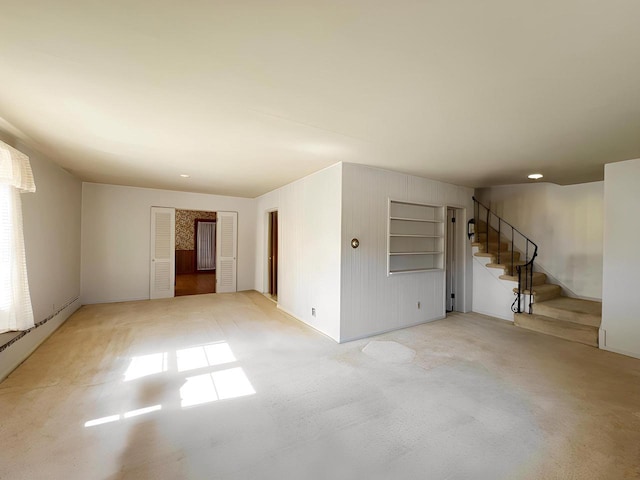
<point x="620" y="330"/>
<point x="566" y="222"/>
<point x="51" y="220"/>
<point x="373" y="302"/>
<point x="116" y="236"/>
<point x="309" y="248"/>
<point x="491" y="295"/>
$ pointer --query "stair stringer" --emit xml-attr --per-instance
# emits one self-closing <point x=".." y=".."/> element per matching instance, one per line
<point x="492" y="295"/>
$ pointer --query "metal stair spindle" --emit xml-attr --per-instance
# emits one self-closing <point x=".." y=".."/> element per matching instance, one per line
<point x="525" y="282"/>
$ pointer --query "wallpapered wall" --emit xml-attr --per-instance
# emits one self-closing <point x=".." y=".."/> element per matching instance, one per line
<point x="185" y="227"/>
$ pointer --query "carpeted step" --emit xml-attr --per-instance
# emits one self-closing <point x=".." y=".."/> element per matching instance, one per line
<point x="584" y="312"/>
<point x="541" y="293"/>
<point x="506" y="265"/>
<point x="539" y="278"/>
<point x="493" y="246"/>
<point x="482" y="237"/>
<point x="491" y="249"/>
<point x="503" y="255"/>
<point x="484" y="254"/>
<point x="574" y="332"/>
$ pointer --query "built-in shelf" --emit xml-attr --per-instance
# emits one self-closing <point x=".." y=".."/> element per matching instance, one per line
<point x="416" y="270"/>
<point x="408" y="219"/>
<point x="415" y="238"/>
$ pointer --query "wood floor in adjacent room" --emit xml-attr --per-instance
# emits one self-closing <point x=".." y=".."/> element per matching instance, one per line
<point x="227" y="387"/>
<point x="195" y="283"/>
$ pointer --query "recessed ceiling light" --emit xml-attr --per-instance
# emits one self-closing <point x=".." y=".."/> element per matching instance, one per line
<point x="535" y="176"/>
<point x="184" y="175"/>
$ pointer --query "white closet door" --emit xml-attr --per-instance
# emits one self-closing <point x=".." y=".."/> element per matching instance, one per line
<point x="163" y="254"/>
<point x="226" y="248"/>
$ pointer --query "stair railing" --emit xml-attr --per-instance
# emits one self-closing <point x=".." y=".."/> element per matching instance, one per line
<point x="482" y="213"/>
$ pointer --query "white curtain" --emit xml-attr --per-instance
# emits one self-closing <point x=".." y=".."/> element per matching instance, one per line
<point x="206" y="246"/>
<point x="15" y="302"/>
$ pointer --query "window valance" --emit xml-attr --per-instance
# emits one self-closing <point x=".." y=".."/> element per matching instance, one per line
<point x="15" y="169"/>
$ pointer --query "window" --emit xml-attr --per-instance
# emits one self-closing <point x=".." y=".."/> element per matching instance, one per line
<point x="15" y="301"/>
<point x="6" y="232"/>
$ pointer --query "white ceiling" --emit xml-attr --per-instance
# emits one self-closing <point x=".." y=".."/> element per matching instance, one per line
<point x="248" y="96"/>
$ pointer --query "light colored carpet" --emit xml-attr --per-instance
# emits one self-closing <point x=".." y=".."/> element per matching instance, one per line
<point x="387" y="351"/>
<point x="227" y="387"/>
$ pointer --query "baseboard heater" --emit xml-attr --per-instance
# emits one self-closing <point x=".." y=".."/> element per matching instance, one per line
<point x="38" y="324"/>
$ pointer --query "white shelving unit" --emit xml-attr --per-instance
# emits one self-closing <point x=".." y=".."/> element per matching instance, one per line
<point x="416" y="238"/>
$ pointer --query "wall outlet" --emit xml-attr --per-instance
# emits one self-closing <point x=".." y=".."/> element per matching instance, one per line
<point x="313" y="311"/>
<point x="418" y="305"/>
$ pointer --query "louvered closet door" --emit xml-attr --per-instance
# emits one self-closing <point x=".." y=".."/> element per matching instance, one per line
<point x="226" y="248"/>
<point x="163" y="255"/>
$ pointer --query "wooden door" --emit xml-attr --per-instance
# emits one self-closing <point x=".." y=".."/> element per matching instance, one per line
<point x="273" y="253"/>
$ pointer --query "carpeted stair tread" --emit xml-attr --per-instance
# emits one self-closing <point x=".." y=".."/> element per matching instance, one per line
<point x="506" y="266"/>
<point x="574" y="332"/>
<point x="542" y="293"/>
<point x="539" y="278"/>
<point x="492" y="245"/>
<point x="504" y="253"/>
<point x="493" y="238"/>
<point x="585" y="312"/>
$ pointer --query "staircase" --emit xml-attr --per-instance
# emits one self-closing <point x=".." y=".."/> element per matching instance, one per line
<point x="538" y="305"/>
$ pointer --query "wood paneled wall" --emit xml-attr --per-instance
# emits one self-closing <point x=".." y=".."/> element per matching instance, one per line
<point x="185" y="261"/>
<point x="309" y="248"/>
<point x="371" y="301"/>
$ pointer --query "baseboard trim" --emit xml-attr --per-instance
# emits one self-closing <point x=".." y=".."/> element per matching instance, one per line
<point x="602" y="337"/>
<point x="19" y="348"/>
<point x="122" y="300"/>
<point x="494" y="315"/>
<point x="382" y="332"/>
<point x="621" y="352"/>
<point x="288" y="313"/>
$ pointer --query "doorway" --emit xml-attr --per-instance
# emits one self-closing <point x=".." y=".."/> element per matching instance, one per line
<point x="195" y="252"/>
<point x="454" y="260"/>
<point x="272" y="250"/>
<point x="173" y="270"/>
